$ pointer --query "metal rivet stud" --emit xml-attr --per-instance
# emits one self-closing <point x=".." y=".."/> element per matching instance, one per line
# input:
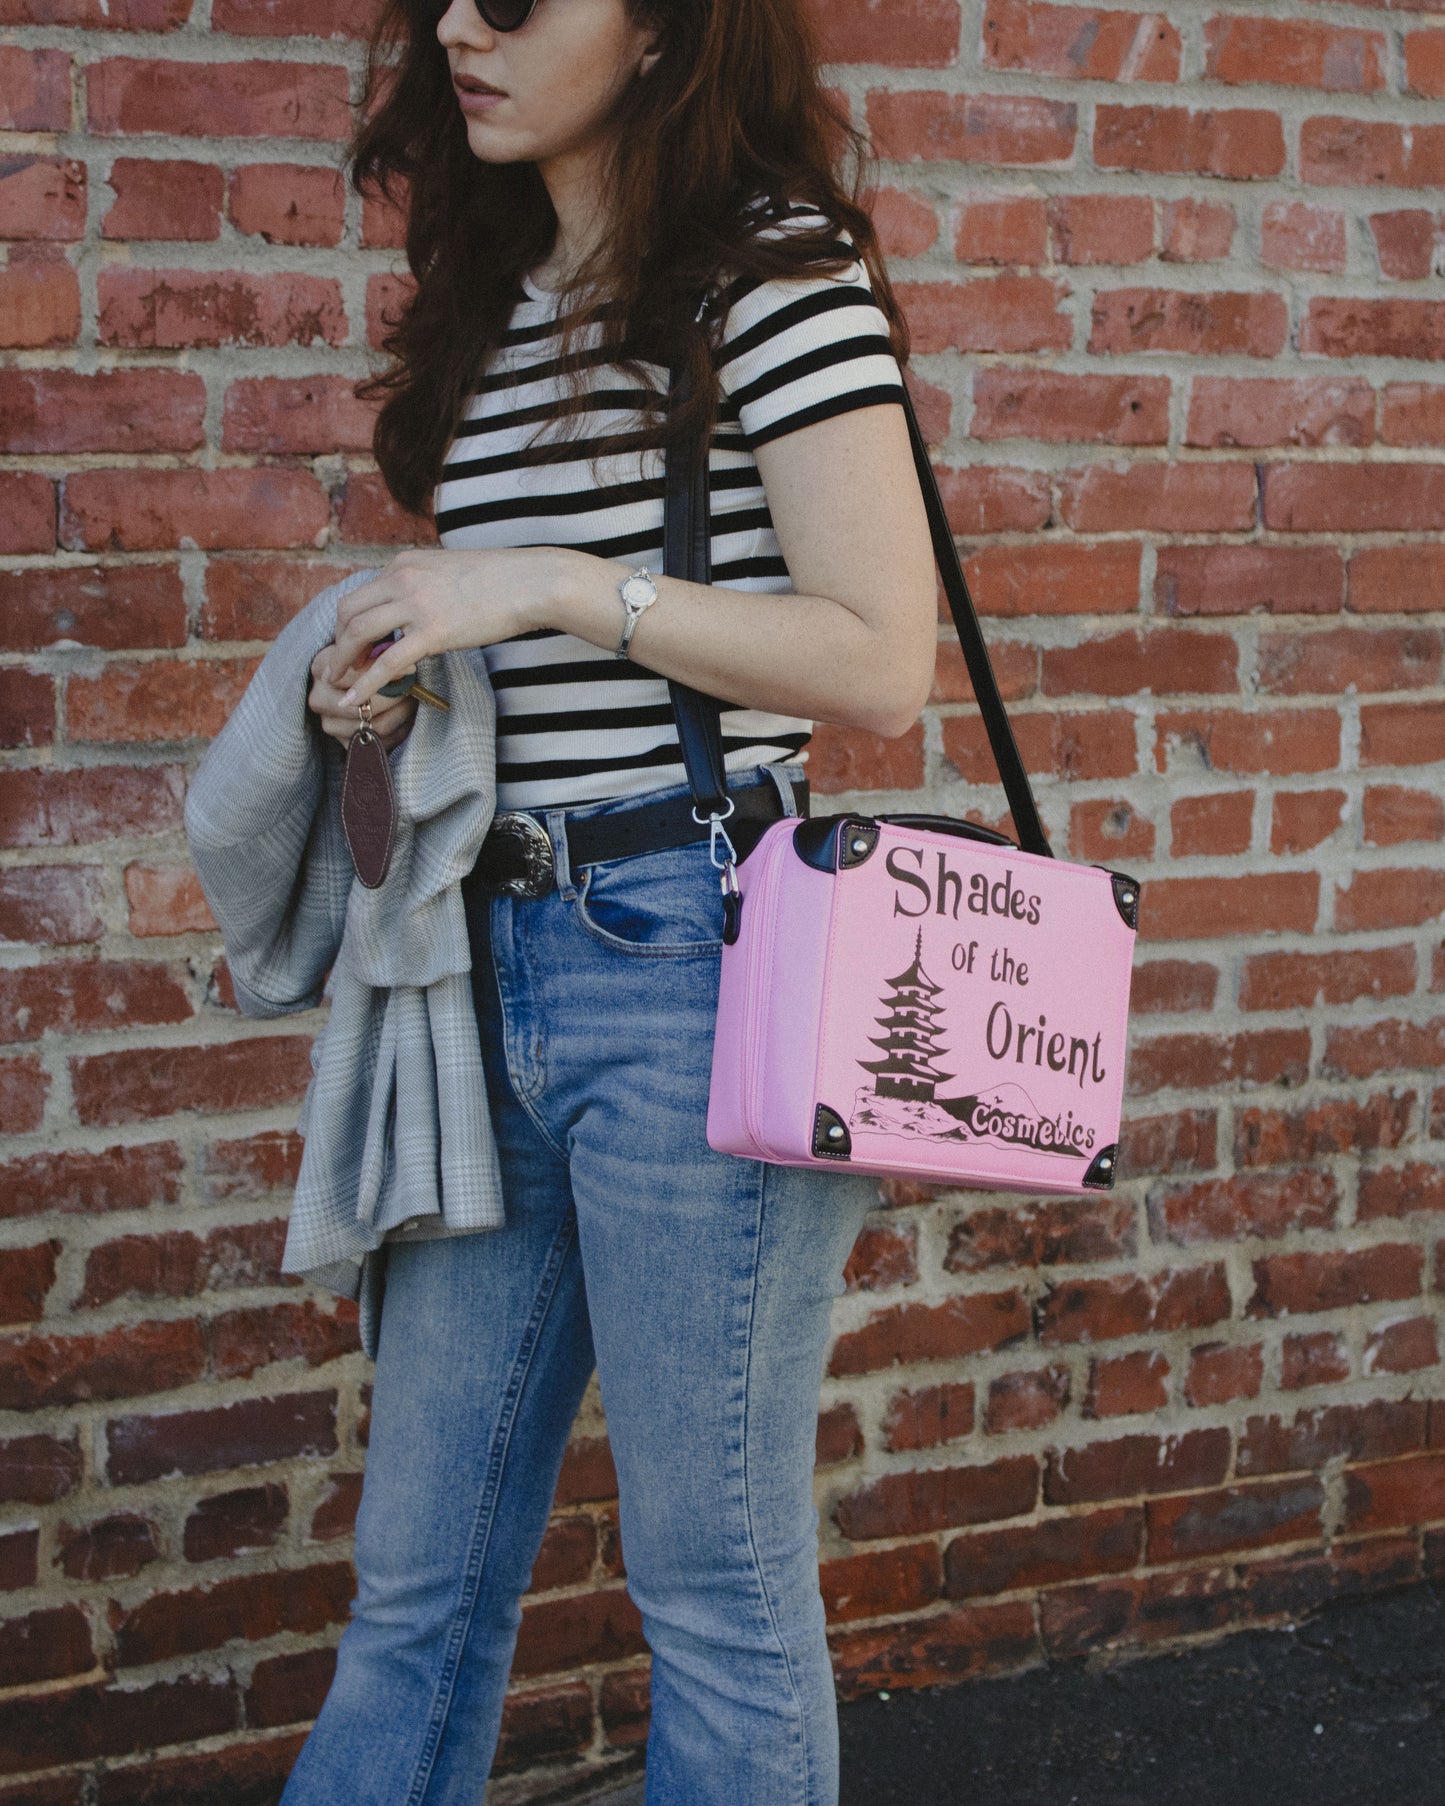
<point x="860" y="846"/>
<point x="1127" y="895"/>
<point x="835" y="1132"/>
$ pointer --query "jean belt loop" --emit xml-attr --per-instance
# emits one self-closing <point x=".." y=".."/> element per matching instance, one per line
<point x="555" y="821"/>
<point x="783" y="784"/>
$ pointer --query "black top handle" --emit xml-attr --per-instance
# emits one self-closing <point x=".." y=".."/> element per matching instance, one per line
<point x="687" y="549"/>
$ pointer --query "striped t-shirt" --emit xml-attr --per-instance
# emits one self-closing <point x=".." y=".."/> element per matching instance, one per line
<point x="574" y="723"/>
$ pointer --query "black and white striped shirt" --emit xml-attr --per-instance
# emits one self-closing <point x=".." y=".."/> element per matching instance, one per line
<point x="574" y="723"/>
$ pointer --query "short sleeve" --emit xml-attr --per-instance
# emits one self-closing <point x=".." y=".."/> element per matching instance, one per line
<point x="797" y="349"/>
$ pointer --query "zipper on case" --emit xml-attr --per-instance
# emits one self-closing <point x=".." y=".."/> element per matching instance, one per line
<point x="759" y="966"/>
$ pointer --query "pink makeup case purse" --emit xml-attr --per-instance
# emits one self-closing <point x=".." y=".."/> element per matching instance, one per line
<point x="911" y="994"/>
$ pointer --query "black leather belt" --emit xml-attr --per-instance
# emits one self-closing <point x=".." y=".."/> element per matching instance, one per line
<point x="516" y="856"/>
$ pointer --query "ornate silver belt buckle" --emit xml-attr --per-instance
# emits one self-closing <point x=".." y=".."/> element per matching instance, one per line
<point x="518" y="844"/>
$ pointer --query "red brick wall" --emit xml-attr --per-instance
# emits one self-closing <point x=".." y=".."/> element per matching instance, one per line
<point x="1174" y="286"/>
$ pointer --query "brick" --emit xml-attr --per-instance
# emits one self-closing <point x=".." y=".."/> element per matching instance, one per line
<point x="1347" y="326"/>
<point x="1404" y="1346"/>
<point x="1080" y="578"/>
<point x="45" y="1645"/>
<point x="929" y="1651"/>
<point x="1342" y="151"/>
<point x="1124" y="1385"/>
<point x="549" y="1723"/>
<point x="1293" y="981"/>
<point x="1352" y="498"/>
<point x="156" y="700"/>
<point x="1101" y="228"/>
<point x="42" y="198"/>
<point x="1242" y="580"/>
<point x="1080" y="42"/>
<point x="1338" y="659"/>
<point x="219" y="1438"/>
<point x="126" y="411"/>
<point x="1043" y="1233"/>
<point x="1284" y="742"/>
<point x="1286" y="1284"/>
<point x="314" y="415"/>
<point x="1063" y="407"/>
<point x="920" y="36"/>
<point x="1026" y="1400"/>
<point x="1004" y="229"/>
<point x="1129" y="1304"/>
<point x="1252" y="903"/>
<point x="1074" y="1620"/>
<point x="558" y="1635"/>
<point x="138" y="1177"/>
<point x="1164" y="986"/>
<point x="242" y="1608"/>
<point x="252" y="1166"/>
<point x="146" y="511"/>
<point x="1408" y="243"/>
<point x="335" y="1513"/>
<point x="254" y="98"/>
<point x="1233" y="1517"/>
<point x="1304" y="819"/>
<point x="854" y="759"/>
<point x="27" y="522"/>
<point x="165" y="900"/>
<point x="1296" y="235"/>
<point x="229" y="1523"/>
<point x="1396" y="1191"/>
<point x="1220" y="825"/>
<point x="149" y="308"/>
<point x="288" y="203"/>
<point x="987" y="1562"/>
<point x="116" y="1547"/>
<point x="1390" y="1046"/>
<point x="1259" y="1056"/>
<point x="136" y="1084"/>
<point x="1412" y="414"/>
<point x="1394" y="814"/>
<point x="1387" y="1495"/>
<point x="1320" y="1359"/>
<point x="1299" y="1584"/>
<point x="1011" y="130"/>
<point x="1237" y="142"/>
<point x="38" y="1371"/>
<point x="626" y="1707"/>
<point x="26" y="1276"/>
<point x="34" y="90"/>
<point x="1332" y="1126"/>
<point x="101" y="1720"/>
<point x="238" y="1772"/>
<point x="1220" y="1372"/>
<point x="1099" y="744"/>
<point x="1129" y="320"/>
<point x="840" y="1436"/>
<point x="39" y="299"/>
<point x="1108" y="831"/>
<point x="1195" y="231"/>
<point x="1300" y="53"/>
<point x="1244" y="1206"/>
<point x="1180" y="1141"/>
<point x="906" y="1333"/>
<point x="1160" y="497"/>
<point x="244" y="1340"/>
<point x="935" y="1498"/>
<point x="1425" y="63"/>
<point x="1396" y="579"/>
<point x="882" y="1257"/>
<point x="27" y="707"/>
<point x="1128" y="1466"/>
<point x="112" y="607"/>
<point x="38" y="1469"/>
<point x="1404" y="733"/>
<point x="1006" y="312"/>
<point x="879" y="1583"/>
<point x="1359" y="1432"/>
<point x="928" y="1416"/>
<point x="1390" y="899"/>
<point x="164" y="198"/>
<point x="907" y="223"/>
<point x="76" y="996"/>
<point x="24" y="1087"/>
<point x="983" y="500"/>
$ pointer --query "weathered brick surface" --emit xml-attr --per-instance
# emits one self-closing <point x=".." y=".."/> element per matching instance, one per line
<point x="1173" y="284"/>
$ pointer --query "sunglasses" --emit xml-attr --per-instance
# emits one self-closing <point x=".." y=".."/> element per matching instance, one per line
<point x="506" y="15"/>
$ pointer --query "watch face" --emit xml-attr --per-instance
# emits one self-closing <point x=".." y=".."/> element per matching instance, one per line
<point x="636" y="591"/>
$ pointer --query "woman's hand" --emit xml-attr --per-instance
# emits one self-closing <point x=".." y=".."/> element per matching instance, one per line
<point x="443" y="601"/>
<point x="391" y="722"/>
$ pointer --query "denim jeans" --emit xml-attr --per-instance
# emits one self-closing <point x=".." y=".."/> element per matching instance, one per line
<point x="697" y="1283"/>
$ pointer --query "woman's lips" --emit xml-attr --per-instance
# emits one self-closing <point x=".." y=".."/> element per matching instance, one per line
<point x="473" y="96"/>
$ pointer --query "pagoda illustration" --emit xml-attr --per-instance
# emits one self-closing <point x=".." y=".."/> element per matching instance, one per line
<point x="910" y="1040"/>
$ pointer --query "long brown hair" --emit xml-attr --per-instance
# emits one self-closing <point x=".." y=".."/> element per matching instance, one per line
<point x="732" y="114"/>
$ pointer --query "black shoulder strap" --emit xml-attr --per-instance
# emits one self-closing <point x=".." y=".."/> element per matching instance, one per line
<point x="687" y="553"/>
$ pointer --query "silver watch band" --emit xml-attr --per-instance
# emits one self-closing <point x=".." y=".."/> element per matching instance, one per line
<point x="638" y="593"/>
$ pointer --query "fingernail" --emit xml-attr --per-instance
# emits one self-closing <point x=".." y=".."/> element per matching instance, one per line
<point x="349" y="697"/>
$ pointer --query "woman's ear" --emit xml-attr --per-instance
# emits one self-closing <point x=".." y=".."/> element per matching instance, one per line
<point x="649" y="57"/>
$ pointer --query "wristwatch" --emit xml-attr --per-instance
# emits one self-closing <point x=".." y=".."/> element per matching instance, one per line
<point x="638" y="592"/>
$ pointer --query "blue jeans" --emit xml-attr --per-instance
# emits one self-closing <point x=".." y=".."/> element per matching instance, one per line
<point x="698" y="1284"/>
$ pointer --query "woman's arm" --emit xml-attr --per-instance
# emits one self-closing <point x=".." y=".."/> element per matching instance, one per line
<point x="853" y="644"/>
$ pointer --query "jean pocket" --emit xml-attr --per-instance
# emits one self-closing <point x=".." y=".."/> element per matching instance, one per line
<point x="664" y="905"/>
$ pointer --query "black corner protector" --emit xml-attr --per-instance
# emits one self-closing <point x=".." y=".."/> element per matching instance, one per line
<point x="1102" y="1168"/>
<point x="857" y="837"/>
<point x="831" y="1140"/>
<point x="1126" y="897"/>
<point x="813" y="840"/>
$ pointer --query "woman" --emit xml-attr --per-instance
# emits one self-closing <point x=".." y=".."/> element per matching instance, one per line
<point x="623" y="154"/>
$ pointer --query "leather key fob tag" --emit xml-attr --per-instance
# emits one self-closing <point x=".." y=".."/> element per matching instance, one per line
<point x="368" y="807"/>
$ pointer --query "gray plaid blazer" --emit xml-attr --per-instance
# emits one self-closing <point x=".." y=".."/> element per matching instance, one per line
<point x="395" y="1122"/>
